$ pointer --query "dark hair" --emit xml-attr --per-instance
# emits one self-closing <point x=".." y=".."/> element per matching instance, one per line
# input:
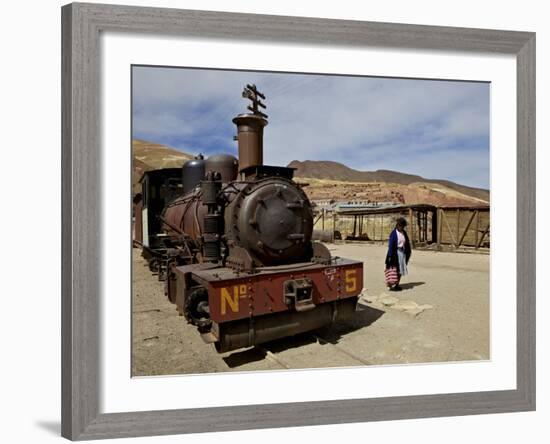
<point x="401" y="221"/>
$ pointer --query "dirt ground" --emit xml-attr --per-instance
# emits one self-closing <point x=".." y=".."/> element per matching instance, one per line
<point x="441" y="315"/>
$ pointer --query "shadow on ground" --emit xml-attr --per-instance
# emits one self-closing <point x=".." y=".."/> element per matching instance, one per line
<point x="410" y="285"/>
<point x="244" y="357"/>
<point x="363" y="317"/>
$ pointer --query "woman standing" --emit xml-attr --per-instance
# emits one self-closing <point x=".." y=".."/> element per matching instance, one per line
<point x="399" y="253"/>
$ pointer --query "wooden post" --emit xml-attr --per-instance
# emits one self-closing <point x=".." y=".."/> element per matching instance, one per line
<point x="426" y="226"/>
<point x="370" y="220"/>
<point x="435" y="227"/>
<point x="467" y="228"/>
<point x="323" y="219"/>
<point x="444" y="216"/>
<point x="477" y="229"/>
<point x="419" y="225"/>
<point x="482" y="236"/>
<point x="412" y="238"/>
<point x="440" y="226"/>
<point x="317" y="220"/>
<point x="457" y="224"/>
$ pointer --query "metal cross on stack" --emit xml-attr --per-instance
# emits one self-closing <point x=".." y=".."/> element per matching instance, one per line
<point x="252" y="93"/>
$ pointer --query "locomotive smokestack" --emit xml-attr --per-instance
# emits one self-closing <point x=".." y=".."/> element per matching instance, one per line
<point x="250" y="130"/>
<point x="250" y="139"/>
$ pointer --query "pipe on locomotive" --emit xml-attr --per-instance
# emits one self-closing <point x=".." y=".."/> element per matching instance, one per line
<point x="250" y="130"/>
<point x="217" y="169"/>
<point x="250" y="135"/>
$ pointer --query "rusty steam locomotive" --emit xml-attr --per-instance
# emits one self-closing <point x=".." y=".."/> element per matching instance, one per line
<point x="235" y="244"/>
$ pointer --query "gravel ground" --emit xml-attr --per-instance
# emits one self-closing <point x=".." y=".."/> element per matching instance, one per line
<point x="441" y="315"/>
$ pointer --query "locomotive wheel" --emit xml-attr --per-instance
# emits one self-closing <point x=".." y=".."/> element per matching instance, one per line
<point x="154" y="265"/>
<point x="196" y="309"/>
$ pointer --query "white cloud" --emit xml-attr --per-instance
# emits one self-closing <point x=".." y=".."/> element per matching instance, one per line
<point x="356" y="120"/>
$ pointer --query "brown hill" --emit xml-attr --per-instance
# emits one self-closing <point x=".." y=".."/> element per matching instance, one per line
<point x="331" y="180"/>
<point x="151" y="156"/>
<point x="335" y="171"/>
<point x="158" y="156"/>
<point x="325" y="190"/>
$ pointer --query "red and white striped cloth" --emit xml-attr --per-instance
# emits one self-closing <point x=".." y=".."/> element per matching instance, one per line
<point x="392" y="276"/>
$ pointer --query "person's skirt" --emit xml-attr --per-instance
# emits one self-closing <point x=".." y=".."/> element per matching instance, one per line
<point x="402" y="261"/>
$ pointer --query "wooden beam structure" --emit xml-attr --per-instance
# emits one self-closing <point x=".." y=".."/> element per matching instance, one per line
<point x="474" y="214"/>
<point x="483" y="236"/>
<point x="453" y="241"/>
<point x="428" y="224"/>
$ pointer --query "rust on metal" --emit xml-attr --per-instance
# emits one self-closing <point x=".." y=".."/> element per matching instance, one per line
<point x="250" y="130"/>
<point x="233" y="241"/>
<point x="230" y="292"/>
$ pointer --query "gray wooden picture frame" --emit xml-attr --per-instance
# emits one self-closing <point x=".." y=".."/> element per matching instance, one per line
<point x="81" y="167"/>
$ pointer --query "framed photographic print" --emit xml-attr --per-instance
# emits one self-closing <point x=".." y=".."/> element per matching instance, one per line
<point x="292" y="221"/>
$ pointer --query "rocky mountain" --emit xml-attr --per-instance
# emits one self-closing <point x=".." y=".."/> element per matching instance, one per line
<point x="413" y="189"/>
<point x="324" y="190"/>
<point x="332" y="180"/>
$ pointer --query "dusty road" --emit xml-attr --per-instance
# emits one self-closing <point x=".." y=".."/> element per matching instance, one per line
<point x="442" y="314"/>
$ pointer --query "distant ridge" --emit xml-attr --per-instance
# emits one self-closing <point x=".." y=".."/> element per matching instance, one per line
<point x="329" y="170"/>
<point x="332" y="180"/>
<point x="148" y="156"/>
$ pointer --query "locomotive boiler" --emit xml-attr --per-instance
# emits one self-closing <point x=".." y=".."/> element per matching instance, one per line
<point x="240" y="261"/>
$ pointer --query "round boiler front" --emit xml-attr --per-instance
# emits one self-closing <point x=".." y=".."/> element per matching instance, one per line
<point x="272" y="219"/>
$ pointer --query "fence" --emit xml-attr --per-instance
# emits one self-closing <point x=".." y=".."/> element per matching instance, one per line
<point x="427" y="224"/>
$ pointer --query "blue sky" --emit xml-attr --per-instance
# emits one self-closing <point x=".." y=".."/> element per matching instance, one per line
<point x="436" y="129"/>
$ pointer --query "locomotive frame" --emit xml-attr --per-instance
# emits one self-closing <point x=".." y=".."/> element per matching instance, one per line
<point x="82" y="24"/>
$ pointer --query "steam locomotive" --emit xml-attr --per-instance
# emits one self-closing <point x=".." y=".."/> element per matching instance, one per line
<point x="233" y="240"/>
